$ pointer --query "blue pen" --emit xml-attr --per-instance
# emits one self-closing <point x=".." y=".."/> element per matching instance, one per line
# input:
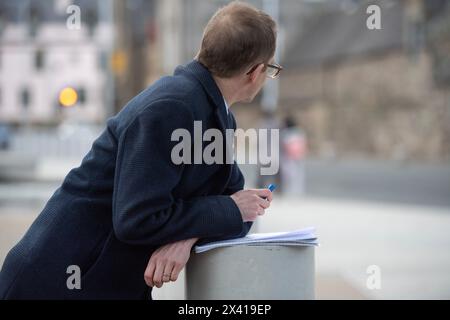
<point x="271" y="187"/>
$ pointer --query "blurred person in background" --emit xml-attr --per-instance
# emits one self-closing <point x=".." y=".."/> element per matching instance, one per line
<point x="128" y="216"/>
<point x="293" y="151"/>
<point x="268" y="122"/>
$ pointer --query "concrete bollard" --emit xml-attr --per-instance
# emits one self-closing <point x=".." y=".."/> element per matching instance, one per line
<point x="251" y="272"/>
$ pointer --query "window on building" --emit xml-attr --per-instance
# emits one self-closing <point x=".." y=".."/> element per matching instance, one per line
<point x="34" y="20"/>
<point x="82" y="96"/>
<point x="39" y="59"/>
<point x="25" y="98"/>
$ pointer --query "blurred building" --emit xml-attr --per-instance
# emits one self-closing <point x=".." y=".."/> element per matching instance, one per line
<point x="40" y="56"/>
<point x="356" y="92"/>
<point x="372" y="93"/>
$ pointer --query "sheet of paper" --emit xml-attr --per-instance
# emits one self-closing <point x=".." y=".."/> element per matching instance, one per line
<point x="302" y="237"/>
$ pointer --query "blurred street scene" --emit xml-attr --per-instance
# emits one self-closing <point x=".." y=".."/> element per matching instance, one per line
<point x="364" y="119"/>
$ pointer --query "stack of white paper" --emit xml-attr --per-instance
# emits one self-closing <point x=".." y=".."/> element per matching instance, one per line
<point x="302" y="237"/>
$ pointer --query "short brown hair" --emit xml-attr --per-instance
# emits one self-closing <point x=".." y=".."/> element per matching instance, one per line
<point x="237" y="36"/>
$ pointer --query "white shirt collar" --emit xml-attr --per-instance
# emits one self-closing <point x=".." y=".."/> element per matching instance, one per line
<point x="226" y="105"/>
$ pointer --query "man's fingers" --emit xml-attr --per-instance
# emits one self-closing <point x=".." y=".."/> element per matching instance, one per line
<point x="263" y="202"/>
<point x="176" y="271"/>
<point x="264" y="193"/>
<point x="261" y="212"/>
<point x="149" y="272"/>
<point x="157" y="278"/>
<point x="168" y="272"/>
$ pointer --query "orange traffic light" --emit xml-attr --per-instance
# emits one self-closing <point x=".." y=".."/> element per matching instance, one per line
<point x="68" y="97"/>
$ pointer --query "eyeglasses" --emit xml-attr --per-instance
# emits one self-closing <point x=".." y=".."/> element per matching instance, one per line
<point x="272" y="70"/>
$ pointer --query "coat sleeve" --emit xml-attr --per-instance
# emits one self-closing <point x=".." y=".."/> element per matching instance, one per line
<point x="144" y="209"/>
<point x="235" y="184"/>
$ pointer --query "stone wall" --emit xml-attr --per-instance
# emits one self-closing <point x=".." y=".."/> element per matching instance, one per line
<point x="383" y="106"/>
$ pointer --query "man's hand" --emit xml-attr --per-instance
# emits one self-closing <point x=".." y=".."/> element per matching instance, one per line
<point x="167" y="261"/>
<point x="252" y="202"/>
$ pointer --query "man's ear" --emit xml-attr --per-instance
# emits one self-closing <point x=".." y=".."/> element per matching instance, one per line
<point x="254" y="75"/>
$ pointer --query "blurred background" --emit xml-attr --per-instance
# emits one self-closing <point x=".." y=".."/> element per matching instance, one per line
<point x="364" y="118"/>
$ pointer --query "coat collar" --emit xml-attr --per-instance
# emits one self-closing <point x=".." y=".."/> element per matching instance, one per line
<point x="203" y="75"/>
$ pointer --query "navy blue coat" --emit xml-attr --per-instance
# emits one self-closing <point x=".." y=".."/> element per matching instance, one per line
<point x="127" y="198"/>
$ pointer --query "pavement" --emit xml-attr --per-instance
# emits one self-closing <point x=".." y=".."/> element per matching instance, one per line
<point x="395" y="216"/>
<point x="408" y="243"/>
